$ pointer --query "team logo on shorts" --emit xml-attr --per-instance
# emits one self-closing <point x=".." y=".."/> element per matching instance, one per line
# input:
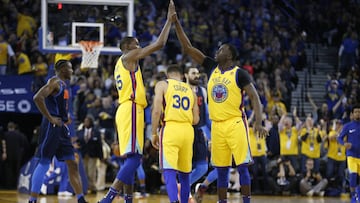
<point x="219" y="93"/>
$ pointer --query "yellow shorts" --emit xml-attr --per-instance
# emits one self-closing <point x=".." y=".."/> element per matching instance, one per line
<point x="176" y="146"/>
<point x="130" y="128"/>
<point x="353" y="165"/>
<point x="230" y="139"/>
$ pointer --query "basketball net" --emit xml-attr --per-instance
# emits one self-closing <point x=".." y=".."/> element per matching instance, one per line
<point x="90" y="53"/>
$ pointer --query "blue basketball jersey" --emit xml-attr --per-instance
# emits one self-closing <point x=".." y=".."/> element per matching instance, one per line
<point x="57" y="105"/>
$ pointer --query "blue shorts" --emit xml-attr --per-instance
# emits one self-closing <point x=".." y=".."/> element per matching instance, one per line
<point x="55" y="141"/>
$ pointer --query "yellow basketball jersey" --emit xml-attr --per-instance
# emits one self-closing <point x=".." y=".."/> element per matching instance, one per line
<point x="3" y="53"/>
<point x="179" y="102"/>
<point x="224" y="95"/>
<point x="130" y="85"/>
<point x="311" y="147"/>
<point x="257" y="145"/>
<point x="336" y="151"/>
<point x="24" y="65"/>
<point x="289" y="141"/>
<point x="41" y="69"/>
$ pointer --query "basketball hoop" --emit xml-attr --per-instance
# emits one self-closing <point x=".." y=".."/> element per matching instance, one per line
<point x="90" y="53"/>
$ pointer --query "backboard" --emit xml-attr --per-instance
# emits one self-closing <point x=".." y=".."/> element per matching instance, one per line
<point x="66" y="22"/>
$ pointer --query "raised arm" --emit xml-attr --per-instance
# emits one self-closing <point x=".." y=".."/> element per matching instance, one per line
<point x="281" y="122"/>
<point x="193" y="52"/>
<point x="298" y="122"/>
<point x="140" y="53"/>
<point x="315" y="107"/>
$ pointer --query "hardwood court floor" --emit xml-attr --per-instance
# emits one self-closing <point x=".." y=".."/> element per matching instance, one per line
<point x="14" y="197"/>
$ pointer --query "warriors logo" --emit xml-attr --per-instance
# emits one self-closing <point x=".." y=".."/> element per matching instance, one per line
<point x="219" y="93"/>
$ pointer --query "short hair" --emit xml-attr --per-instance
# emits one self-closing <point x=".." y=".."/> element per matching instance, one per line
<point x="233" y="51"/>
<point x="187" y="68"/>
<point x="356" y="106"/>
<point x="126" y="40"/>
<point x="174" y="68"/>
<point x="60" y="63"/>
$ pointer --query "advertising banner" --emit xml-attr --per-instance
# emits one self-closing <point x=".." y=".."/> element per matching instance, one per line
<point x="16" y="94"/>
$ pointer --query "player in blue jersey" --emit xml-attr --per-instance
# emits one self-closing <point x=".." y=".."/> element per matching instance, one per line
<point x="351" y="131"/>
<point x="54" y="140"/>
<point x="200" y="152"/>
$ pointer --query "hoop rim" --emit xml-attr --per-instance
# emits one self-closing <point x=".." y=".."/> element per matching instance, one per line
<point x="90" y="46"/>
<point x="90" y="43"/>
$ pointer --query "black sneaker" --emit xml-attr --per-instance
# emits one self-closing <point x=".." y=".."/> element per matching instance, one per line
<point x="82" y="200"/>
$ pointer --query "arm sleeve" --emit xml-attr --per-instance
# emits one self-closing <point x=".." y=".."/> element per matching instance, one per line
<point x="304" y="137"/>
<point x="242" y="78"/>
<point x="318" y="138"/>
<point x="209" y="63"/>
<point x="341" y="136"/>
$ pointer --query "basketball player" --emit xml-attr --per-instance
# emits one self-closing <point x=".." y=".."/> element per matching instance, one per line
<point x="52" y="102"/>
<point x="199" y="160"/>
<point x="129" y="117"/>
<point x="351" y="130"/>
<point x="229" y="132"/>
<point x="176" y="134"/>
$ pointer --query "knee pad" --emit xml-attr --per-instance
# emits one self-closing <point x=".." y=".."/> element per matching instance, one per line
<point x="244" y="175"/>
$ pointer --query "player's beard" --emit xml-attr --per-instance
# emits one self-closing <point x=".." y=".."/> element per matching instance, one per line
<point x="194" y="82"/>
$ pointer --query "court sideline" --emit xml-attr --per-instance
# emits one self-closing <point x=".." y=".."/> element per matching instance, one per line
<point x="14" y="197"/>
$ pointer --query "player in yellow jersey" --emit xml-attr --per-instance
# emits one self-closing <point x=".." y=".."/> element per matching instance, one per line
<point x="129" y="117"/>
<point x="229" y="131"/>
<point x="175" y="102"/>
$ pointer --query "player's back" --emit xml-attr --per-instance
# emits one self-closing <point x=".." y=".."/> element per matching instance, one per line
<point x="179" y="102"/>
<point x="57" y="104"/>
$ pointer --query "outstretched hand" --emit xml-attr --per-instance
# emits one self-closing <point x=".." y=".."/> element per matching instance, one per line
<point x="171" y="11"/>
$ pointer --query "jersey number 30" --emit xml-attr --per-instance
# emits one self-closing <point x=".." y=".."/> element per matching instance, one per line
<point x="181" y="102"/>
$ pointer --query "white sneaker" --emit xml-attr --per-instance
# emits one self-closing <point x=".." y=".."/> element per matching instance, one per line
<point x="139" y="195"/>
<point x="65" y="193"/>
<point x="43" y="189"/>
<point x="236" y="187"/>
<point x="197" y="187"/>
<point x="310" y="193"/>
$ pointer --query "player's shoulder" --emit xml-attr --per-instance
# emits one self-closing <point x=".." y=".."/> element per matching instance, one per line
<point x="162" y="84"/>
<point x="54" y="79"/>
<point x="241" y="70"/>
